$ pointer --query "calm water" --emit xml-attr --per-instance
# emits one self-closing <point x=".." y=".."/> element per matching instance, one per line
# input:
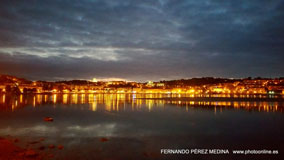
<point x="138" y="128"/>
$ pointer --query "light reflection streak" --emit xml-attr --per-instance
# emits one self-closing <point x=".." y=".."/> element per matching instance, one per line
<point x="65" y="98"/>
<point x="4" y="98"/>
<point x="54" y="99"/>
<point x="21" y="98"/>
<point x="45" y="98"/>
<point x="34" y="101"/>
<point x="134" y="102"/>
<point x="83" y="99"/>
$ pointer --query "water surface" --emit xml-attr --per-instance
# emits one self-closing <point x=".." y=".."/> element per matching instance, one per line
<point x="137" y="127"/>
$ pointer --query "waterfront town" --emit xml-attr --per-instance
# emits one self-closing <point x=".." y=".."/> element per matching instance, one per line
<point x="207" y="85"/>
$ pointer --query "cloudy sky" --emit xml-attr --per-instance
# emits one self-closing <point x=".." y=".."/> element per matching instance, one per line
<point x="141" y="40"/>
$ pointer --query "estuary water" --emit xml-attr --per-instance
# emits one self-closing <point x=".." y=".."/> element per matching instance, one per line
<point x="138" y="126"/>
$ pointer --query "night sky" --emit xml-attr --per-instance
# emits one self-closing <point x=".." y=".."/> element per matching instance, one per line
<point x="141" y="40"/>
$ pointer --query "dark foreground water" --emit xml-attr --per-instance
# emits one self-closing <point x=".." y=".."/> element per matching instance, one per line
<point x="123" y="126"/>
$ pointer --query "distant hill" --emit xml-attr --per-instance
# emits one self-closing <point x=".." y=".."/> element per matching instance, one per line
<point x="13" y="79"/>
<point x="198" y="81"/>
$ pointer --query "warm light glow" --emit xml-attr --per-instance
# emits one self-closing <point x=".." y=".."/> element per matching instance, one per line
<point x="95" y="80"/>
<point x="191" y="91"/>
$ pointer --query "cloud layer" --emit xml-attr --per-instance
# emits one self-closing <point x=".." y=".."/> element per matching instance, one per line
<point x="141" y="40"/>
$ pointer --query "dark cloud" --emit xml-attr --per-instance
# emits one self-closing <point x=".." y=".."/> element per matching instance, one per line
<point x="141" y="40"/>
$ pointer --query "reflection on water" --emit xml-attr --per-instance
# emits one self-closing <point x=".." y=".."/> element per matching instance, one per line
<point x="142" y="123"/>
<point x="122" y="102"/>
